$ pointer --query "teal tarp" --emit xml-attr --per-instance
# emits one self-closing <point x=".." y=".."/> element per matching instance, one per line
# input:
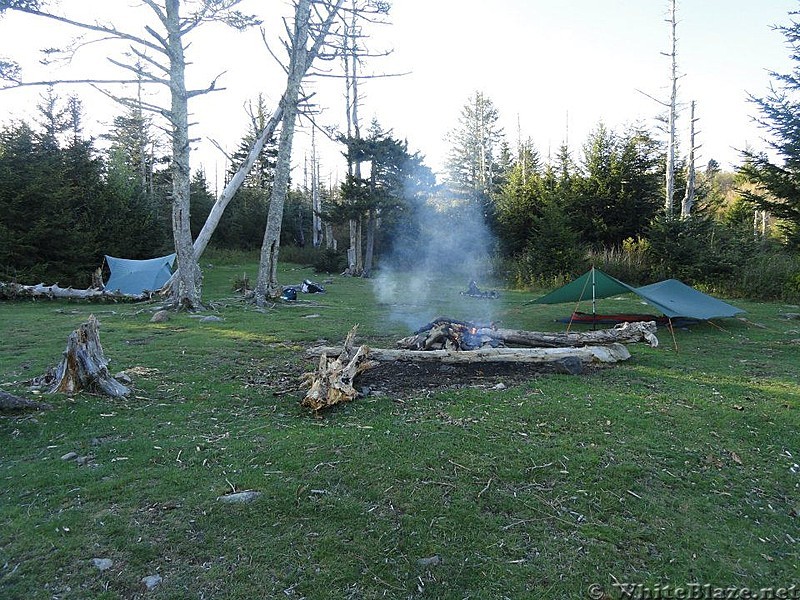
<point x="676" y="299"/>
<point x="671" y="297"/>
<point x="135" y="276"/>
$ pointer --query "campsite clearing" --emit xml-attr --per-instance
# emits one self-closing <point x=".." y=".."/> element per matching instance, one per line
<point x="671" y="468"/>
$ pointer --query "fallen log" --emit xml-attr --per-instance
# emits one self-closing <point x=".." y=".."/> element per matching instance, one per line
<point x="451" y="334"/>
<point x="624" y="333"/>
<point x="84" y="365"/>
<point x="12" y="291"/>
<point x="12" y="403"/>
<point x="332" y="382"/>
<point x="610" y="353"/>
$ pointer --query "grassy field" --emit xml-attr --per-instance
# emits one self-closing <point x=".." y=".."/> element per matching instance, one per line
<point x="678" y="467"/>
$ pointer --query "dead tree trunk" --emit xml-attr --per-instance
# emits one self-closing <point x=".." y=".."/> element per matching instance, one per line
<point x="587" y="354"/>
<point x="624" y="333"/>
<point x="673" y="111"/>
<point x="40" y="290"/>
<point x="84" y="365"/>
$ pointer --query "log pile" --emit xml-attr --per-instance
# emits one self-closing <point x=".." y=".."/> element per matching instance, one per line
<point x="83" y="366"/>
<point x="332" y="382"/>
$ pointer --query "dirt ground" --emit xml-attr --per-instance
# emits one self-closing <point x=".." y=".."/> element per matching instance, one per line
<point x="405" y="379"/>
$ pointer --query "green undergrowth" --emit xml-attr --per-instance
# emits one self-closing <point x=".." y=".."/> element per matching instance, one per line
<point x="678" y="466"/>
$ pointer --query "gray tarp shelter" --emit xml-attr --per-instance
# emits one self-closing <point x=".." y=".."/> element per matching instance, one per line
<point x="671" y="297"/>
<point x="134" y="277"/>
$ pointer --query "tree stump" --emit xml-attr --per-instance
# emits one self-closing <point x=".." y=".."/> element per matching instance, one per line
<point x="84" y="365"/>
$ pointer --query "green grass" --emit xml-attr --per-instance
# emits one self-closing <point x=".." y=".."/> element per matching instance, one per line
<point x="674" y="467"/>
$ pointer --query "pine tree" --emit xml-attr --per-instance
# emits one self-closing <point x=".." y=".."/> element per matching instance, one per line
<point x="475" y="146"/>
<point x="777" y="181"/>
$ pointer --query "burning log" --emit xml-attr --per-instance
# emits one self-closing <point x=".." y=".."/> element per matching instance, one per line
<point x="332" y="382"/>
<point x="450" y="334"/>
<point x="84" y="365"/>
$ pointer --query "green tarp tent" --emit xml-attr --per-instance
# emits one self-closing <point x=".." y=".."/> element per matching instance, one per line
<point x="672" y="297"/>
<point x="133" y="277"/>
<point x="592" y="285"/>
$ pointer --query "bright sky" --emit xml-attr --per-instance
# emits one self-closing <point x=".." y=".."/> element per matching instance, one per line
<point x="552" y="68"/>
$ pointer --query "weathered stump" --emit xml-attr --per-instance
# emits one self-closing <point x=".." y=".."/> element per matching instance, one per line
<point x="84" y="365"/>
<point x="332" y="382"/>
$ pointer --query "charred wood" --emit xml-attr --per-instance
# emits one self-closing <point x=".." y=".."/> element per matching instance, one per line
<point x="450" y="334"/>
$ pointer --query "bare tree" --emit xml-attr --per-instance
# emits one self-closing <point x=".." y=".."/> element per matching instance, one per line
<point x="673" y="100"/>
<point x="157" y="56"/>
<point x="689" y="197"/>
<point x="313" y="20"/>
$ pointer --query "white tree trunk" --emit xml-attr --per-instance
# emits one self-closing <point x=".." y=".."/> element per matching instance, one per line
<point x="316" y="204"/>
<point x="670" y="175"/>
<point x="186" y="293"/>
<point x="267" y="281"/>
<point x="689" y="197"/>
<point x="236" y="181"/>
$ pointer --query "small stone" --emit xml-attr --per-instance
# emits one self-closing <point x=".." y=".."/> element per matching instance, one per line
<point x="82" y="460"/>
<point x="103" y="563"/>
<point x="211" y="319"/>
<point x="239" y="497"/>
<point x="123" y="377"/>
<point x="499" y="386"/>
<point x="430" y="561"/>
<point x="70" y="456"/>
<point x="151" y="581"/>
<point x="162" y="316"/>
<point x="569" y="365"/>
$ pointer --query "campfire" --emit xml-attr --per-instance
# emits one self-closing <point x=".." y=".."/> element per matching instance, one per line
<point x="450" y="334"/>
<point x="451" y="341"/>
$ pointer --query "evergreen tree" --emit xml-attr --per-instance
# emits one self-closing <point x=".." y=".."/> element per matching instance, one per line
<point x="475" y="148"/>
<point x="618" y="192"/>
<point x="777" y="182"/>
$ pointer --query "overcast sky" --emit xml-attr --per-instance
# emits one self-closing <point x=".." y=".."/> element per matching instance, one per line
<point x="553" y="68"/>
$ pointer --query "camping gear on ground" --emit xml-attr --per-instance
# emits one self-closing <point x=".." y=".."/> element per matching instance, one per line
<point x="309" y="287"/>
<point x="474" y="291"/>
<point x="134" y="277"/>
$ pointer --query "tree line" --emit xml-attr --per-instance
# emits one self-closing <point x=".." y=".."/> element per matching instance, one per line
<point x="66" y="203"/>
